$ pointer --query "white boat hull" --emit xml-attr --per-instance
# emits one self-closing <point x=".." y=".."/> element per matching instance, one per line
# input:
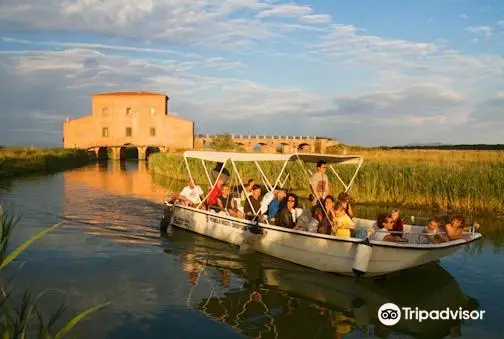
<point x="318" y="251"/>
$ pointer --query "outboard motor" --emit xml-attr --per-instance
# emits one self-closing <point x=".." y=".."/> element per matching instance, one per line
<point x="249" y="237"/>
<point x="362" y="257"/>
<point x="167" y="217"/>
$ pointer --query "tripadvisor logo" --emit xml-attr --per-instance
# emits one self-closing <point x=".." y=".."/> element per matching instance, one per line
<point x="389" y="314"/>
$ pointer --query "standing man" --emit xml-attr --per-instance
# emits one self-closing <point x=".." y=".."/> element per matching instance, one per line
<point x="320" y="182"/>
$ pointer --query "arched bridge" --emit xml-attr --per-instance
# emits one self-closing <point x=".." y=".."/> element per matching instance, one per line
<point x="270" y="144"/>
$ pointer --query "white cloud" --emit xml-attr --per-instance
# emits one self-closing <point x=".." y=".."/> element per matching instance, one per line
<point x="500" y="23"/>
<point x="316" y="18"/>
<point x="463" y="16"/>
<point x="480" y="31"/>
<point x="285" y="10"/>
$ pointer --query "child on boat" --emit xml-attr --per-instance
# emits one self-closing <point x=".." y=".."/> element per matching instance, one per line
<point x="435" y="233"/>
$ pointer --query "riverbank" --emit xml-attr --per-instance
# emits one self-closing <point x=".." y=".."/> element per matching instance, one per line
<point x="445" y="181"/>
<point x="20" y="161"/>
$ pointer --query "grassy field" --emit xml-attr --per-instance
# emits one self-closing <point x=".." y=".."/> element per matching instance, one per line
<point x="26" y="161"/>
<point x="443" y="180"/>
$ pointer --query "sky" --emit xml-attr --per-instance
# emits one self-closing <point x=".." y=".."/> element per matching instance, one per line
<point x="388" y="72"/>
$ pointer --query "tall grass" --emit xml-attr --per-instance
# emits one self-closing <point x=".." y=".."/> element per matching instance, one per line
<point x="22" y="161"/>
<point x="16" y="320"/>
<point x="442" y="180"/>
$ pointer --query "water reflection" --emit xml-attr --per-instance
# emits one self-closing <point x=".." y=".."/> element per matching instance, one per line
<point x="269" y="298"/>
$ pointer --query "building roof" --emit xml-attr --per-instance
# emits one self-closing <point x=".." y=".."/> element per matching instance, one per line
<point x="131" y="93"/>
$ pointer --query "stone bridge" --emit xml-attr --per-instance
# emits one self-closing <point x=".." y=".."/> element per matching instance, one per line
<point x="271" y="144"/>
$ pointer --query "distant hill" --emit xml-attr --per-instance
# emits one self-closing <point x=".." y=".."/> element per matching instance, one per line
<point x="452" y="147"/>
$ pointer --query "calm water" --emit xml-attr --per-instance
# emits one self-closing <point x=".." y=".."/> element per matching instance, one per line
<point x="182" y="285"/>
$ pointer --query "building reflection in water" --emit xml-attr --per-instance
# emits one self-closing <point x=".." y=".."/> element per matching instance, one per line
<point x="262" y="297"/>
<point x="97" y="196"/>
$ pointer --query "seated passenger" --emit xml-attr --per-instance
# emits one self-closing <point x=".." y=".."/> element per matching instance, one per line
<point x="385" y="223"/>
<point x="311" y="223"/>
<point x="275" y="204"/>
<point x="398" y="223"/>
<point x="267" y="199"/>
<point x="344" y="197"/>
<point x="342" y="223"/>
<point x="252" y="210"/>
<point x="191" y="194"/>
<point x="214" y="194"/>
<point x="225" y="202"/>
<point x="435" y="232"/>
<point x="324" y="226"/>
<point x="455" y="229"/>
<point x="286" y="216"/>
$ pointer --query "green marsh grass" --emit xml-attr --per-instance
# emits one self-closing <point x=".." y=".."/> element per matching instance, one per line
<point x="15" y="161"/>
<point x="435" y="179"/>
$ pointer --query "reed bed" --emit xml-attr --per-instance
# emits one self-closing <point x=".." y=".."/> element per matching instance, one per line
<point x="22" y="161"/>
<point x="436" y="179"/>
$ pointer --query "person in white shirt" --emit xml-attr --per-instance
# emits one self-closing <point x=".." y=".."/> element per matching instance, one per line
<point x="191" y="194"/>
<point x="320" y="182"/>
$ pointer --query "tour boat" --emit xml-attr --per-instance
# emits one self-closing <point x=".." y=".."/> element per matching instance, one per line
<point x="328" y="253"/>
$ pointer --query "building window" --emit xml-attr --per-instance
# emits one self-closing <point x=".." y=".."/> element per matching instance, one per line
<point x="128" y="110"/>
<point x="104" y="132"/>
<point x="153" y="110"/>
<point x="152" y="132"/>
<point x="128" y="131"/>
<point x="105" y="110"/>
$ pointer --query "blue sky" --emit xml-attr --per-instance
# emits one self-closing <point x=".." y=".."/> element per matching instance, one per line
<point x="385" y="72"/>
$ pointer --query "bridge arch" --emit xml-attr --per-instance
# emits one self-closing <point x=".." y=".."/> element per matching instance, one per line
<point x="259" y="147"/>
<point x="304" y="147"/>
<point x="151" y="150"/>
<point x="282" y="147"/>
<point x="129" y="151"/>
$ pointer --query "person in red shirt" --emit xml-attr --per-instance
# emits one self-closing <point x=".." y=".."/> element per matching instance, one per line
<point x="215" y="193"/>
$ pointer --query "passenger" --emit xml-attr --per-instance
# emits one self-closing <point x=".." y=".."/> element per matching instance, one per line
<point x="398" y="223"/>
<point x="214" y="194"/>
<point x="344" y="197"/>
<point x="310" y="224"/>
<point x="274" y="206"/>
<point x="217" y="169"/>
<point x="320" y="182"/>
<point x="385" y="223"/>
<point x="225" y="203"/>
<point x="455" y="229"/>
<point x="267" y="199"/>
<point x="329" y="207"/>
<point x="247" y="191"/>
<point x="286" y="216"/>
<point x="191" y="194"/>
<point x="435" y="232"/>
<point x="252" y="210"/>
<point x="342" y="223"/>
<point x="324" y="226"/>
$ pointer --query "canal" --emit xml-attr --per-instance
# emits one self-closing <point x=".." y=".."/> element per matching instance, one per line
<point x="182" y="285"/>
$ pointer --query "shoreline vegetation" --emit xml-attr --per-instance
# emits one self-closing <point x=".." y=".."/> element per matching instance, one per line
<point x="22" y="161"/>
<point x="441" y="180"/>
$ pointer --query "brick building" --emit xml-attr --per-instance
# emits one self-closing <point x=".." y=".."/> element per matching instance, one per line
<point x="121" y="119"/>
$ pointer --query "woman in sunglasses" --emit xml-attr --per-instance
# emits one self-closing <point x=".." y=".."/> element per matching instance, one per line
<point x="286" y="218"/>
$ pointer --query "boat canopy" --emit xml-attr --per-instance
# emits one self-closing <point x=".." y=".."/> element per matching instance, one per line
<point x="242" y="157"/>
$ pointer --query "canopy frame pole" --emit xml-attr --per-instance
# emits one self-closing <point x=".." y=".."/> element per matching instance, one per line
<point x="356" y="171"/>
<point x="347" y="187"/>
<point x="265" y="178"/>
<point x="283" y="182"/>
<point x="206" y="172"/>
<point x="189" y="170"/>
<point x="213" y="186"/>
<point x="278" y="180"/>
<point x="318" y="200"/>
<point x="243" y="187"/>
<point x="339" y="178"/>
